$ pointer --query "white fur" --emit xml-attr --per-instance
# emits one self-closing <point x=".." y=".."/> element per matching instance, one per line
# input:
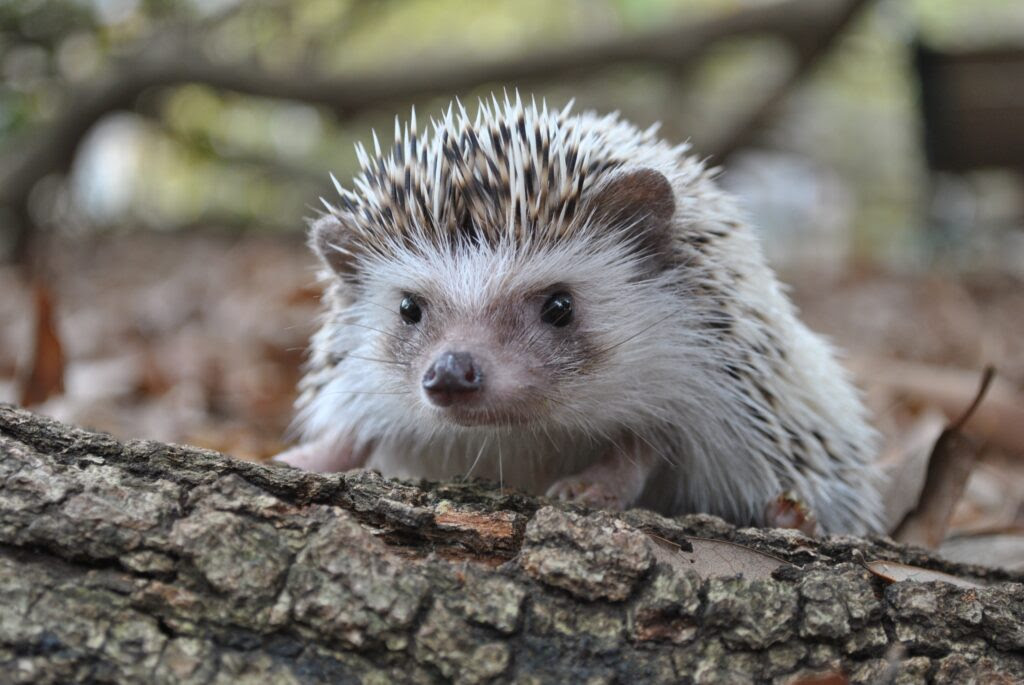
<point x="663" y="377"/>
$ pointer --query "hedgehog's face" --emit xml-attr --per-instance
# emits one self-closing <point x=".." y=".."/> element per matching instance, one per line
<point x="475" y="343"/>
<point x="490" y="337"/>
<point x="496" y="333"/>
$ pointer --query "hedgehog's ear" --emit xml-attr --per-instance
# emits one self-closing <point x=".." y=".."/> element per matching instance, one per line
<point x="331" y="237"/>
<point x="640" y="204"/>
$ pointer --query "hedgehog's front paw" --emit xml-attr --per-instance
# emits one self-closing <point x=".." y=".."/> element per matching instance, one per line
<point x="613" y="482"/>
<point x="585" y="490"/>
<point x="323" y="456"/>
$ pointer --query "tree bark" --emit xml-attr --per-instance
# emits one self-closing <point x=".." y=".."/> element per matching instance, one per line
<point x="146" y="562"/>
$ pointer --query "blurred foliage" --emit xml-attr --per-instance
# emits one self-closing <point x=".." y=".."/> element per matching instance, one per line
<point x="955" y="23"/>
<point x="194" y="155"/>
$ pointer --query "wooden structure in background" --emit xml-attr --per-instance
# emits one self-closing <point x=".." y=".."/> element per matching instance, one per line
<point x="973" y="108"/>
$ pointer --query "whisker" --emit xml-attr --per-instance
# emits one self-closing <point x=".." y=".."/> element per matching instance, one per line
<point x="479" y="454"/>
<point x="561" y="403"/>
<point x="364" y="392"/>
<point x="375" y="359"/>
<point x="369" y="328"/>
<point x="501" y="473"/>
<point x="378" y="304"/>
<point x="655" y="449"/>
<point x="643" y="330"/>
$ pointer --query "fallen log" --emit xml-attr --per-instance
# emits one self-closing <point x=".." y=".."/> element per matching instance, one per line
<point x="146" y="562"/>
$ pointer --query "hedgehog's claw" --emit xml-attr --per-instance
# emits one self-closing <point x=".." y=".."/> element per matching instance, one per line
<point x="590" y="493"/>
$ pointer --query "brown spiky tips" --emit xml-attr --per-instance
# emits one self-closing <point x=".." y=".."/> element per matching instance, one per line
<point x="513" y="174"/>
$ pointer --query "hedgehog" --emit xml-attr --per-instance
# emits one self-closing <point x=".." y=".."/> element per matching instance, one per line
<point x="566" y="304"/>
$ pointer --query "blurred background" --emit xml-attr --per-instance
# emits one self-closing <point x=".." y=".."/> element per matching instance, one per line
<point x="157" y="158"/>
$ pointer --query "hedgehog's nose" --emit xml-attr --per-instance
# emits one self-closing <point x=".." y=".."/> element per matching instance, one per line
<point x="453" y="377"/>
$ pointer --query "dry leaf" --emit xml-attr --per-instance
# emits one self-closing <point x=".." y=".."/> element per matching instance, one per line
<point x="717" y="558"/>
<point x="949" y="466"/>
<point x="895" y="572"/>
<point x="153" y="381"/>
<point x="904" y="465"/>
<point x="45" y="376"/>
<point x="1000" y="421"/>
<point x="1003" y="550"/>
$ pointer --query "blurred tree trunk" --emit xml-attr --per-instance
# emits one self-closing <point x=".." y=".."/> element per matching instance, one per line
<point x="144" y="562"/>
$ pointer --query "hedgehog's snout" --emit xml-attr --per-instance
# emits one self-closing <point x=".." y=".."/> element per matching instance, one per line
<point x="453" y="378"/>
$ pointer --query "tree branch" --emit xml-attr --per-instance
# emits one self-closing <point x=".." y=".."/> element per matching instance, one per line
<point x="51" y="148"/>
<point x="808" y="51"/>
<point x="144" y="562"/>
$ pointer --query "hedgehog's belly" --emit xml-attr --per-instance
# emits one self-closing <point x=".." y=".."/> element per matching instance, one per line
<point x="516" y="458"/>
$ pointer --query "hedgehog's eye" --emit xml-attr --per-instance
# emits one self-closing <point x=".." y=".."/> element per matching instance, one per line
<point x="410" y="310"/>
<point x="557" y="310"/>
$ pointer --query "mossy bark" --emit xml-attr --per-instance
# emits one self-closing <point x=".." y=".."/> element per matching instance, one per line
<point x="145" y="562"/>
